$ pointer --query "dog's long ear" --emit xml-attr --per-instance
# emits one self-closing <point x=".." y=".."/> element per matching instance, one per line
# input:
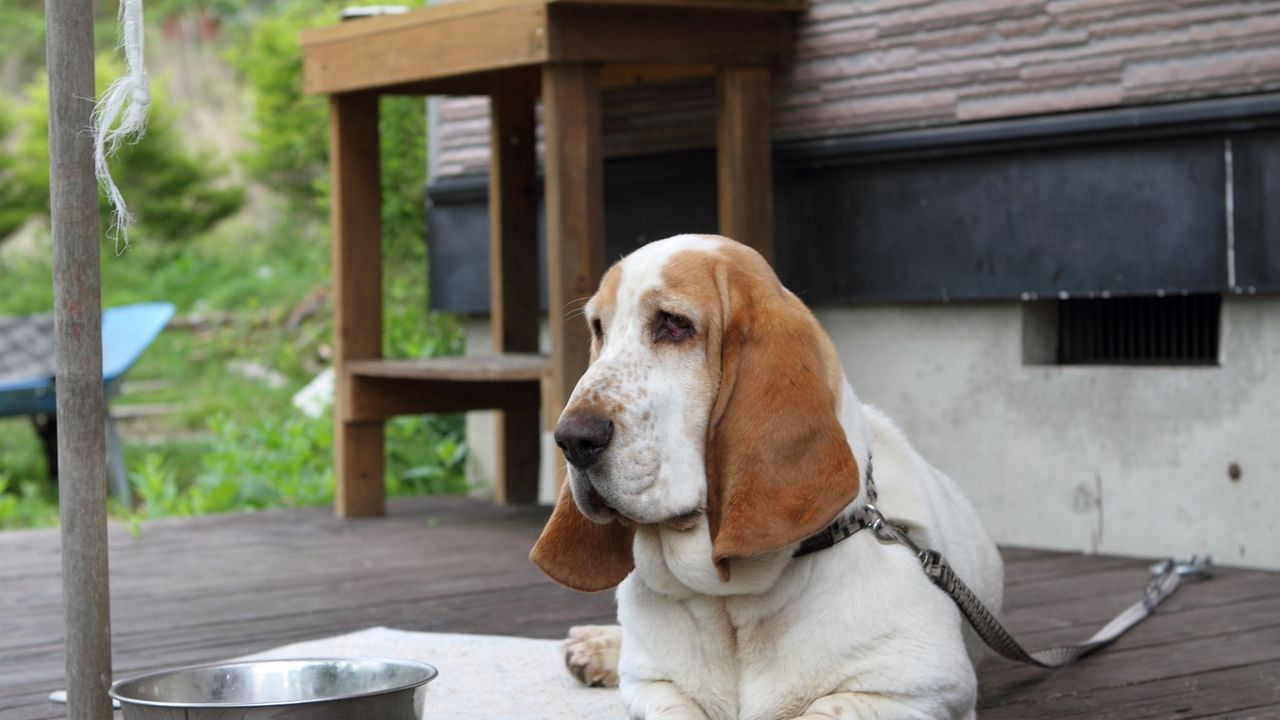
<point x="778" y="466"/>
<point x="581" y="554"/>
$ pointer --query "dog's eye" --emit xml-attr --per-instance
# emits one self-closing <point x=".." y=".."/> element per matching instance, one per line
<point x="672" y="327"/>
<point x="598" y="330"/>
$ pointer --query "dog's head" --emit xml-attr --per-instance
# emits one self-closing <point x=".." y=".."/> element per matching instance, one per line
<point x="711" y="389"/>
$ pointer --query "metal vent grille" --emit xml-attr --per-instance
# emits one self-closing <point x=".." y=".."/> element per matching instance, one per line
<point x="1139" y="331"/>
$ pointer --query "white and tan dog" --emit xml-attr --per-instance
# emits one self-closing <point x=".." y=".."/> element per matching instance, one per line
<point x="712" y="433"/>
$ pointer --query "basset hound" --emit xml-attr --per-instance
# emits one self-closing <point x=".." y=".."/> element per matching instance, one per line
<point x="712" y="434"/>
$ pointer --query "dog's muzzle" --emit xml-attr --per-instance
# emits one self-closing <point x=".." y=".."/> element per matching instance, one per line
<point x="583" y="437"/>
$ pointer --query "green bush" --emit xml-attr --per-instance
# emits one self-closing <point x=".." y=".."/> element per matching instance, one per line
<point x="29" y="506"/>
<point x="425" y="456"/>
<point x="291" y="135"/>
<point x="24" y="183"/>
<point x="258" y="266"/>
<point x="287" y="462"/>
<point x="22" y="33"/>
<point x="249" y="466"/>
<point x="290" y="128"/>
<point x="284" y="462"/>
<point x="173" y="193"/>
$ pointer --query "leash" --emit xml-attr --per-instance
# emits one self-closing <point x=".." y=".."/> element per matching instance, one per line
<point x="1166" y="576"/>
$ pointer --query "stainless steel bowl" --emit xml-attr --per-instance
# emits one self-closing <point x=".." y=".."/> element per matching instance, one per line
<point x="313" y="689"/>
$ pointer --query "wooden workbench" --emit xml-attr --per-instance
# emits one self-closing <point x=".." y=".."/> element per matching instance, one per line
<point x="518" y="52"/>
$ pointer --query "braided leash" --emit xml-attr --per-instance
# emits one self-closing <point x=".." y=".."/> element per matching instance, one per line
<point x="1166" y="576"/>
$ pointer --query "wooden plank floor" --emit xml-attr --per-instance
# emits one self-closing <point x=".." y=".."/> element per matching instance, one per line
<point x="203" y="589"/>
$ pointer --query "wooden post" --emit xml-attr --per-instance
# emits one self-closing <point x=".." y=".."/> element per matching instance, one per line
<point x="513" y="272"/>
<point x="744" y="161"/>
<point x="575" y="216"/>
<point x="356" y="211"/>
<point x="77" y="312"/>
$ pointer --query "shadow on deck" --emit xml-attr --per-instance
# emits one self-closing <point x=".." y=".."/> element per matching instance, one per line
<point x="203" y="589"/>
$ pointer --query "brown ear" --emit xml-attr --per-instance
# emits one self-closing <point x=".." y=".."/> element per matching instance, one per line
<point x="778" y="466"/>
<point x="581" y="554"/>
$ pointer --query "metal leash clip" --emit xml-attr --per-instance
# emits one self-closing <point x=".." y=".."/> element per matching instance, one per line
<point x="1199" y="566"/>
<point x="888" y="533"/>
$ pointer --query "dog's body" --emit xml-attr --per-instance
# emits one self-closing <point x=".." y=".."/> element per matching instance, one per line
<point x="732" y="435"/>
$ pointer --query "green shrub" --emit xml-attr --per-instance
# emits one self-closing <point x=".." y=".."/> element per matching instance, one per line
<point x="425" y="456"/>
<point x="291" y="129"/>
<point x="259" y="266"/>
<point x="278" y="462"/>
<point x="288" y="462"/>
<point x="173" y="193"/>
<point x="24" y="184"/>
<point x="22" y="33"/>
<point x="29" y="506"/>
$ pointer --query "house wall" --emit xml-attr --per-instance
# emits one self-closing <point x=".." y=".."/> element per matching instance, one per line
<point x="1122" y="460"/>
<point x="874" y="65"/>
<point x="938" y="165"/>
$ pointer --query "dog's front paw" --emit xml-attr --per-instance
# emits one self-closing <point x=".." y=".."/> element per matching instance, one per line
<point x="591" y="654"/>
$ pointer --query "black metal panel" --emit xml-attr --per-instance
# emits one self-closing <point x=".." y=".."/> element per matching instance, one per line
<point x="1122" y="219"/>
<point x="1087" y="203"/>
<point x="458" y="252"/>
<point x="1256" y="186"/>
<point x="646" y="199"/>
<point x="650" y="198"/>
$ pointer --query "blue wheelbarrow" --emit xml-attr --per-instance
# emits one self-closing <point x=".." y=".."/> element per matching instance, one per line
<point x="28" y="385"/>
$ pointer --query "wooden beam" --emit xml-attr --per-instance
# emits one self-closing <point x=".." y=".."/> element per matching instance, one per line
<point x="744" y="157"/>
<point x="665" y="35"/>
<point x="77" y="316"/>
<point x="480" y="83"/>
<point x="575" y="217"/>
<point x="513" y="274"/>
<point x="513" y="218"/>
<point x="434" y="42"/>
<point x="509" y="367"/>
<point x="379" y="398"/>
<point x="356" y="210"/>
<point x="611" y="76"/>
<point x="631" y="74"/>
<point x="424" y="48"/>
<point x="734" y="5"/>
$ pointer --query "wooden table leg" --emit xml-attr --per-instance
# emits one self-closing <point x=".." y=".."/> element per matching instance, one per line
<point x="356" y="213"/>
<point x="513" y="272"/>
<point x="744" y="160"/>
<point x="575" y="216"/>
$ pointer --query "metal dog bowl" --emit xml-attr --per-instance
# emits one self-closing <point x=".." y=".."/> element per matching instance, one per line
<point x="313" y="689"/>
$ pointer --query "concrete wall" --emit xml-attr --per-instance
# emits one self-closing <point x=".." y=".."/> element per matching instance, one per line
<point x="1124" y="460"/>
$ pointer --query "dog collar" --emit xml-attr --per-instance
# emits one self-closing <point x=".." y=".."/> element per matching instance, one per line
<point x="845" y="526"/>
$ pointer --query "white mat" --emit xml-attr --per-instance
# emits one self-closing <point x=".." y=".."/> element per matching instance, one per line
<point x="481" y="676"/>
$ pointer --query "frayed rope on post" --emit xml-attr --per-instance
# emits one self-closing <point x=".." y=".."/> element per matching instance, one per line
<point x="121" y="114"/>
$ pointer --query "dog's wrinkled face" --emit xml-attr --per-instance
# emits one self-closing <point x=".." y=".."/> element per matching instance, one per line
<point x="635" y="428"/>
<point x="712" y="392"/>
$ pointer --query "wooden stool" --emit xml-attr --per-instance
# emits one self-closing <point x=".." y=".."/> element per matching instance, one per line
<point x="516" y="51"/>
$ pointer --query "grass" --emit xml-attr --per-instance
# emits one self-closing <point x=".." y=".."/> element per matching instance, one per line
<point x="234" y="442"/>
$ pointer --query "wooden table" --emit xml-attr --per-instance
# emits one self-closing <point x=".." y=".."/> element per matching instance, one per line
<point x="517" y="52"/>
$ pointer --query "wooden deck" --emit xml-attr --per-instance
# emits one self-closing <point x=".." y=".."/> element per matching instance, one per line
<point x="203" y="589"/>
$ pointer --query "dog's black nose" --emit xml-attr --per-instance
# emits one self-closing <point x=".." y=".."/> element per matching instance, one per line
<point x="583" y="437"/>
